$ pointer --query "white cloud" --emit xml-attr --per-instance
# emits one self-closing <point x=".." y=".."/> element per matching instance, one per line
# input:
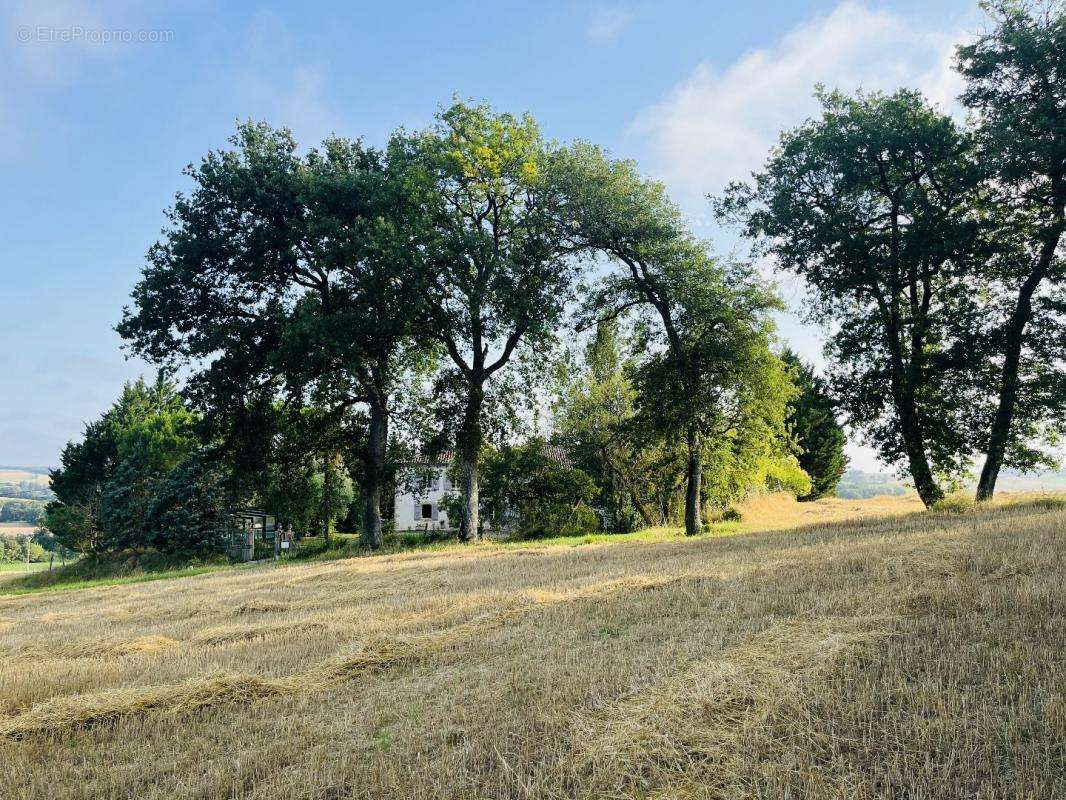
<point x="606" y="24"/>
<point x="275" y="83"/>
<point x="718" y="124"/>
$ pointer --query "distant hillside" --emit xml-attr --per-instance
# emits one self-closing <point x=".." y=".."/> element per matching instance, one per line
<point x="857" y="485"/>
<point x="1012" y="481"/>
<point x="25" y="483"/>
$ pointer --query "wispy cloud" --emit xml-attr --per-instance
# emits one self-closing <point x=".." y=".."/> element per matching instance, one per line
<point x="277" y="83"/>
<point x="718" y="124"/>
<point x="606" y="23"/>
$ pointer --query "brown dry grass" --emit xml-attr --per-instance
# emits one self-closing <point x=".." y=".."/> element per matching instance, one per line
<point x="911" y="656"/>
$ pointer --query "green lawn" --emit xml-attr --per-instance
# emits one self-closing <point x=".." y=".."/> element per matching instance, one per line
<point x="105" y="571"/>
<point x="22" y="566"/>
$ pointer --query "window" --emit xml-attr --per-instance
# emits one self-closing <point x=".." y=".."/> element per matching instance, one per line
<point x="427" y="511"/>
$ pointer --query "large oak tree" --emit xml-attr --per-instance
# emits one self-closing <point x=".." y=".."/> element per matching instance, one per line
<point x="708" y="370"/>
<point x="873" y="204"/>
<point x="497" y="271"/>
<point x="1016" y="87"/>
<point x="285" y="278"/>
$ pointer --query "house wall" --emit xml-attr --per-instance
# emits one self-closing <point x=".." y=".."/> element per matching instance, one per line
<point x="412" y="493"/>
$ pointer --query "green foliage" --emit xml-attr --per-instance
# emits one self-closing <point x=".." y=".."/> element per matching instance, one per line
<point x="287" y="282"/>
<point x="784" y="474"/>
<point x="21" y="548"/>
<point x="110" y="480"/>
<point x="31" y="511"/>
<point x="955" y="503"/>
<point x="496" y="269"/>
<point x="593" y="420"/>
<point x="818" y="435"/>
<point x="704" y="324"/>
<point x="189" y="510"/>
<point x="876" y="205"/>
<point x="1013" y="74"/>
<point x="532" y="490"/>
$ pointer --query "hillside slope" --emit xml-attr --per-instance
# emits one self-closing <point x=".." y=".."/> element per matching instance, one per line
<point x="917" y="656"/>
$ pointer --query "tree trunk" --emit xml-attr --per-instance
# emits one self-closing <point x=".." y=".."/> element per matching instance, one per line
<point x="999" y="435"/>
<point x="902" y="381"/>
<point x="469" y="446"/>
<point x="326" y="468"/>
<point x="694" y="477"/>
<point x="373" y="477"/>
<point x="917" y="460"/>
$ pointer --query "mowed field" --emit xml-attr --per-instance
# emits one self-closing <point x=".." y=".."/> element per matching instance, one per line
<point x="916" y="655"/>
<point x="11" y="475"/>
<point x="16" y="529"/>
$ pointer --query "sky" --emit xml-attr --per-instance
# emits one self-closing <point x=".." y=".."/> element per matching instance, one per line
<point x="102" y="104"/>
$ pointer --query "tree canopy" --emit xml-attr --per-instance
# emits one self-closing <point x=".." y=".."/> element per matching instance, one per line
<point x="874" y="203"/>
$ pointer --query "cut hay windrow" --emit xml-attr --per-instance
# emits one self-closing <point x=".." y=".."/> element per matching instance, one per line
<point x="685" y="736"/>
<point x="101" y="648"/>
<point x="227" y="634"/>
<point x="83" y="711"/>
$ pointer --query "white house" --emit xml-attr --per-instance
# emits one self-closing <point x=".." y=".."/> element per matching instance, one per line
<point x="419" y="491"/>
<point x="421" y="486"/>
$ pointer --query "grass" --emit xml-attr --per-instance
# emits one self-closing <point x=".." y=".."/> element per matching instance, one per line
<point x="108" y="570"/>
<point x="22" y="566"/>
<point x="860" y="656"/>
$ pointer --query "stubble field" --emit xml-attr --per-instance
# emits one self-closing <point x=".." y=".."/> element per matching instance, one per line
<point x="915" y="655"/>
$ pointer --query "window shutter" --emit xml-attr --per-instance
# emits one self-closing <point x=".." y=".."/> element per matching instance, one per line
<point x="417" y="513"/>
<point x="434" y="511"/>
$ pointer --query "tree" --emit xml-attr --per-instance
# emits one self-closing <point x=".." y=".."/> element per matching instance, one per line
<point x="107" y="481"/>
<point x="707" y="323"/>
<point x="190" y="508"/>
<point x="874" y="205"/>
<point x="534" y="489"/>
<point x="592" y="419"/>
<point x="496" y="273"/>
<point x="288" y="278"/>
<point x="1015" y="88"/>
<point x="818" y="434"/>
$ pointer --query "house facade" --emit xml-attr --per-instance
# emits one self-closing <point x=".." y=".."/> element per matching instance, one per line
<point x="419" y="492"/>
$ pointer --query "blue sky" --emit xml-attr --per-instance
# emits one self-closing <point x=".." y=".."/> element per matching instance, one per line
<point x="95" y="133"/>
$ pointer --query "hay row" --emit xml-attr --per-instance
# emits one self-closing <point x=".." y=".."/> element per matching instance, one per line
<point x="54" y="717"/>
<point x="690" y="735"/>
<point x="69" y="713"/>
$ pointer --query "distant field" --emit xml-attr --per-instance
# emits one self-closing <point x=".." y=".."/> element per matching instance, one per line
<point x="865" y="652"/>
<point x="13" y="529"/>
<point x="19" y="475"/>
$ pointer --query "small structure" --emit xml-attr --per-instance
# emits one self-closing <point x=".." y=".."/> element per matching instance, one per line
<point x="421" y="487"/>
<point x="249" y="525"/>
